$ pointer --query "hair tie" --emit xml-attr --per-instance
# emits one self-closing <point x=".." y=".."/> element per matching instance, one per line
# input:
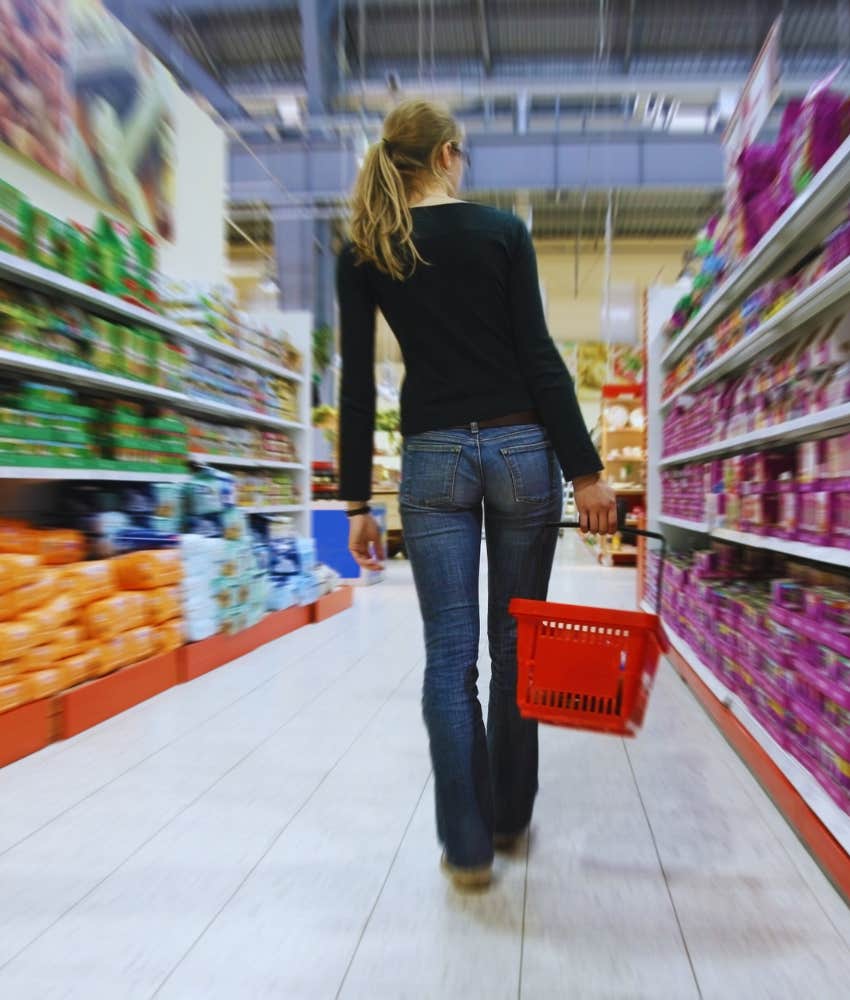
<point x="387" y="145"/>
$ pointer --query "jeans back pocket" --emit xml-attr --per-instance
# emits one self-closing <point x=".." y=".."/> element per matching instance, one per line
<point x="428" y="473"/>
<point x="532" y="469"/>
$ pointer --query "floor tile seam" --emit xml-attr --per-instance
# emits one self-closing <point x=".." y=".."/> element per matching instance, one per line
<point x="663" y="870"/>
<point x="276" y="839"/>
<point x="204" y="722"/>
<point x="376" y="903"/>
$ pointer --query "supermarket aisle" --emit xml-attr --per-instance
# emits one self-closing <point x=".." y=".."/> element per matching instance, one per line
<point x="267" y="832"/>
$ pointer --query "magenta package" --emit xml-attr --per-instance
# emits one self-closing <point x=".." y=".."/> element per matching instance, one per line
<point x="757" y="166"/>
<point x="840" y="518"/>
<point x="814" y="516"/>
<point x="816" y="135"/>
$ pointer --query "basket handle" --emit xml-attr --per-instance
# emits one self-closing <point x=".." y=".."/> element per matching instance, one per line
<point x="630" y="535"/>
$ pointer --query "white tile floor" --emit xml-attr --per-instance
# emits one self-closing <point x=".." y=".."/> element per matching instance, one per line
<point x="267" y="831"/>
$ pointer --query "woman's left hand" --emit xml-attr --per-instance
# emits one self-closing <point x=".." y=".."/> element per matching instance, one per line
<point x="364" y="542"/>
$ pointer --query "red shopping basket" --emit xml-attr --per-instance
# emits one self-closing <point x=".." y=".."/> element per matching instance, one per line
<point x="587" y="668"/>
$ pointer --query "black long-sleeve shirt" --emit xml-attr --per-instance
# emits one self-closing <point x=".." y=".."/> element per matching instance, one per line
<point x="473" y="335"/>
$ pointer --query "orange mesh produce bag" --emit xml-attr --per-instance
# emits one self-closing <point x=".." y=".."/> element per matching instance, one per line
<point x="17" y="571"/>
<point x="149" y="570"/>
<point x="8" y="671"/>
<point x="71" y="640"/>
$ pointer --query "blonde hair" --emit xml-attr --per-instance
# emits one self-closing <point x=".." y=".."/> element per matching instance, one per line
<point x="395" y="169"/>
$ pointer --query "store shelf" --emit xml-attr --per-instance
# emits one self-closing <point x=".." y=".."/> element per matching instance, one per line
<point x="807" y="788"/>
<point x="686" y="525"/>
<point x="42" y="279"/>
<point x="27" y="474"/>
<point x="799" y="550"/>
<point x="827" y="193"/>
<point x="234" y="461"/>
<point x="85" y="378"/>
<point x="801" y="429"/>
<point x="809" y="305"/>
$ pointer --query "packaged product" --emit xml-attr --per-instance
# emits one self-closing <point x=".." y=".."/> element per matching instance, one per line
<point x="17" y="571"/>
<point x="81" y="667"/>
<point x="71" y="640"/>
<point x="149" y="570"/>
<point x="17" y="602"/>
<point x="88" y="581"/>
<point x="113" y="615"/>
<point x="169" y="636"/>
<point x="163" y="605"/>
<point x="55" y="614"/>
<point x="16" y="638"/>
<point x="13" y="694"/>
<point x="142" y="643"/>
<point x="45" y="683"/>
<point x="57" y="548"/>
<point x="8" y="671"/>
<point x="40" y="658"/>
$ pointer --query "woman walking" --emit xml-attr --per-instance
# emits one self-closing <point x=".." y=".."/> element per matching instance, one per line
<point x="489" y="419"/>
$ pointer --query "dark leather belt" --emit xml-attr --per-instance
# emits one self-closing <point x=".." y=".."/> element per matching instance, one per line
<point x="509" y="420"/>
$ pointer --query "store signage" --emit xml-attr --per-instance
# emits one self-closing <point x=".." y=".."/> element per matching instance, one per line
<point x="758" y="97"/>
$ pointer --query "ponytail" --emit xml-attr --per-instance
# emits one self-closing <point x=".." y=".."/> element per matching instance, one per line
<point x="381" y="223"/>
<point x="394" y="169"/>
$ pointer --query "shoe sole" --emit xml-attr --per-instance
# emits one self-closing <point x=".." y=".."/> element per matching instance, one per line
<point x="507" y="843"/>
<point x="467" y="878"/>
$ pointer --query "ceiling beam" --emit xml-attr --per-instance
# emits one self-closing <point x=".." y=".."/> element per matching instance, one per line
<point x="484" y="36"/>
<point x="139" y="19"/>
<point x="197" y="8"/>
<point x="320" y="69"/>
<point x="630" y="37"/>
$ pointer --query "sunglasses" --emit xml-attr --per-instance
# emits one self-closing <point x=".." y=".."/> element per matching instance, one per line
<point x="462" y="151"/>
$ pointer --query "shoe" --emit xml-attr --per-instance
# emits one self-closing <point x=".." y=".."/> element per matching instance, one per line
<point x="507" y="843"/>
<point x="467" y="878"/>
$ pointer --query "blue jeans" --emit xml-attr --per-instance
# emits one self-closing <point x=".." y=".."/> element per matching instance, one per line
<point x="485" y="783"/>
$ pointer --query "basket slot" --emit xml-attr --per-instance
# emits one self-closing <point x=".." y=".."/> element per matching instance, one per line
<point x="571" y="631"/>
<point x="575" y="701"/>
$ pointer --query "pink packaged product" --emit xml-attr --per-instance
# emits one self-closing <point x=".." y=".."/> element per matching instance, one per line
<point x="835" y="458"/>
<point x="840" y="518"/>
<point x="817" y="133"/>
<point x="814" y="516"/>
<point x="788" y="513"/>
<point x="811" y="461"/>
<point x="834" y="389"/>
<point x="831" y="347"/>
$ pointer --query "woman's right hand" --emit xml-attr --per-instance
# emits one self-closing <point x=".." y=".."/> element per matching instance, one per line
<point x="364" y="542"/>
<point x="597" y="505"/>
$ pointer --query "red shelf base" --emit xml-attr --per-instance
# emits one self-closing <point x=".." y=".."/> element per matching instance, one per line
<point x="823" y="847"/>
<point x="199" y="658"/>
<point x="94" y="702"/>
<point x="332" y="604"/>
<point x="24" y="730"/>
